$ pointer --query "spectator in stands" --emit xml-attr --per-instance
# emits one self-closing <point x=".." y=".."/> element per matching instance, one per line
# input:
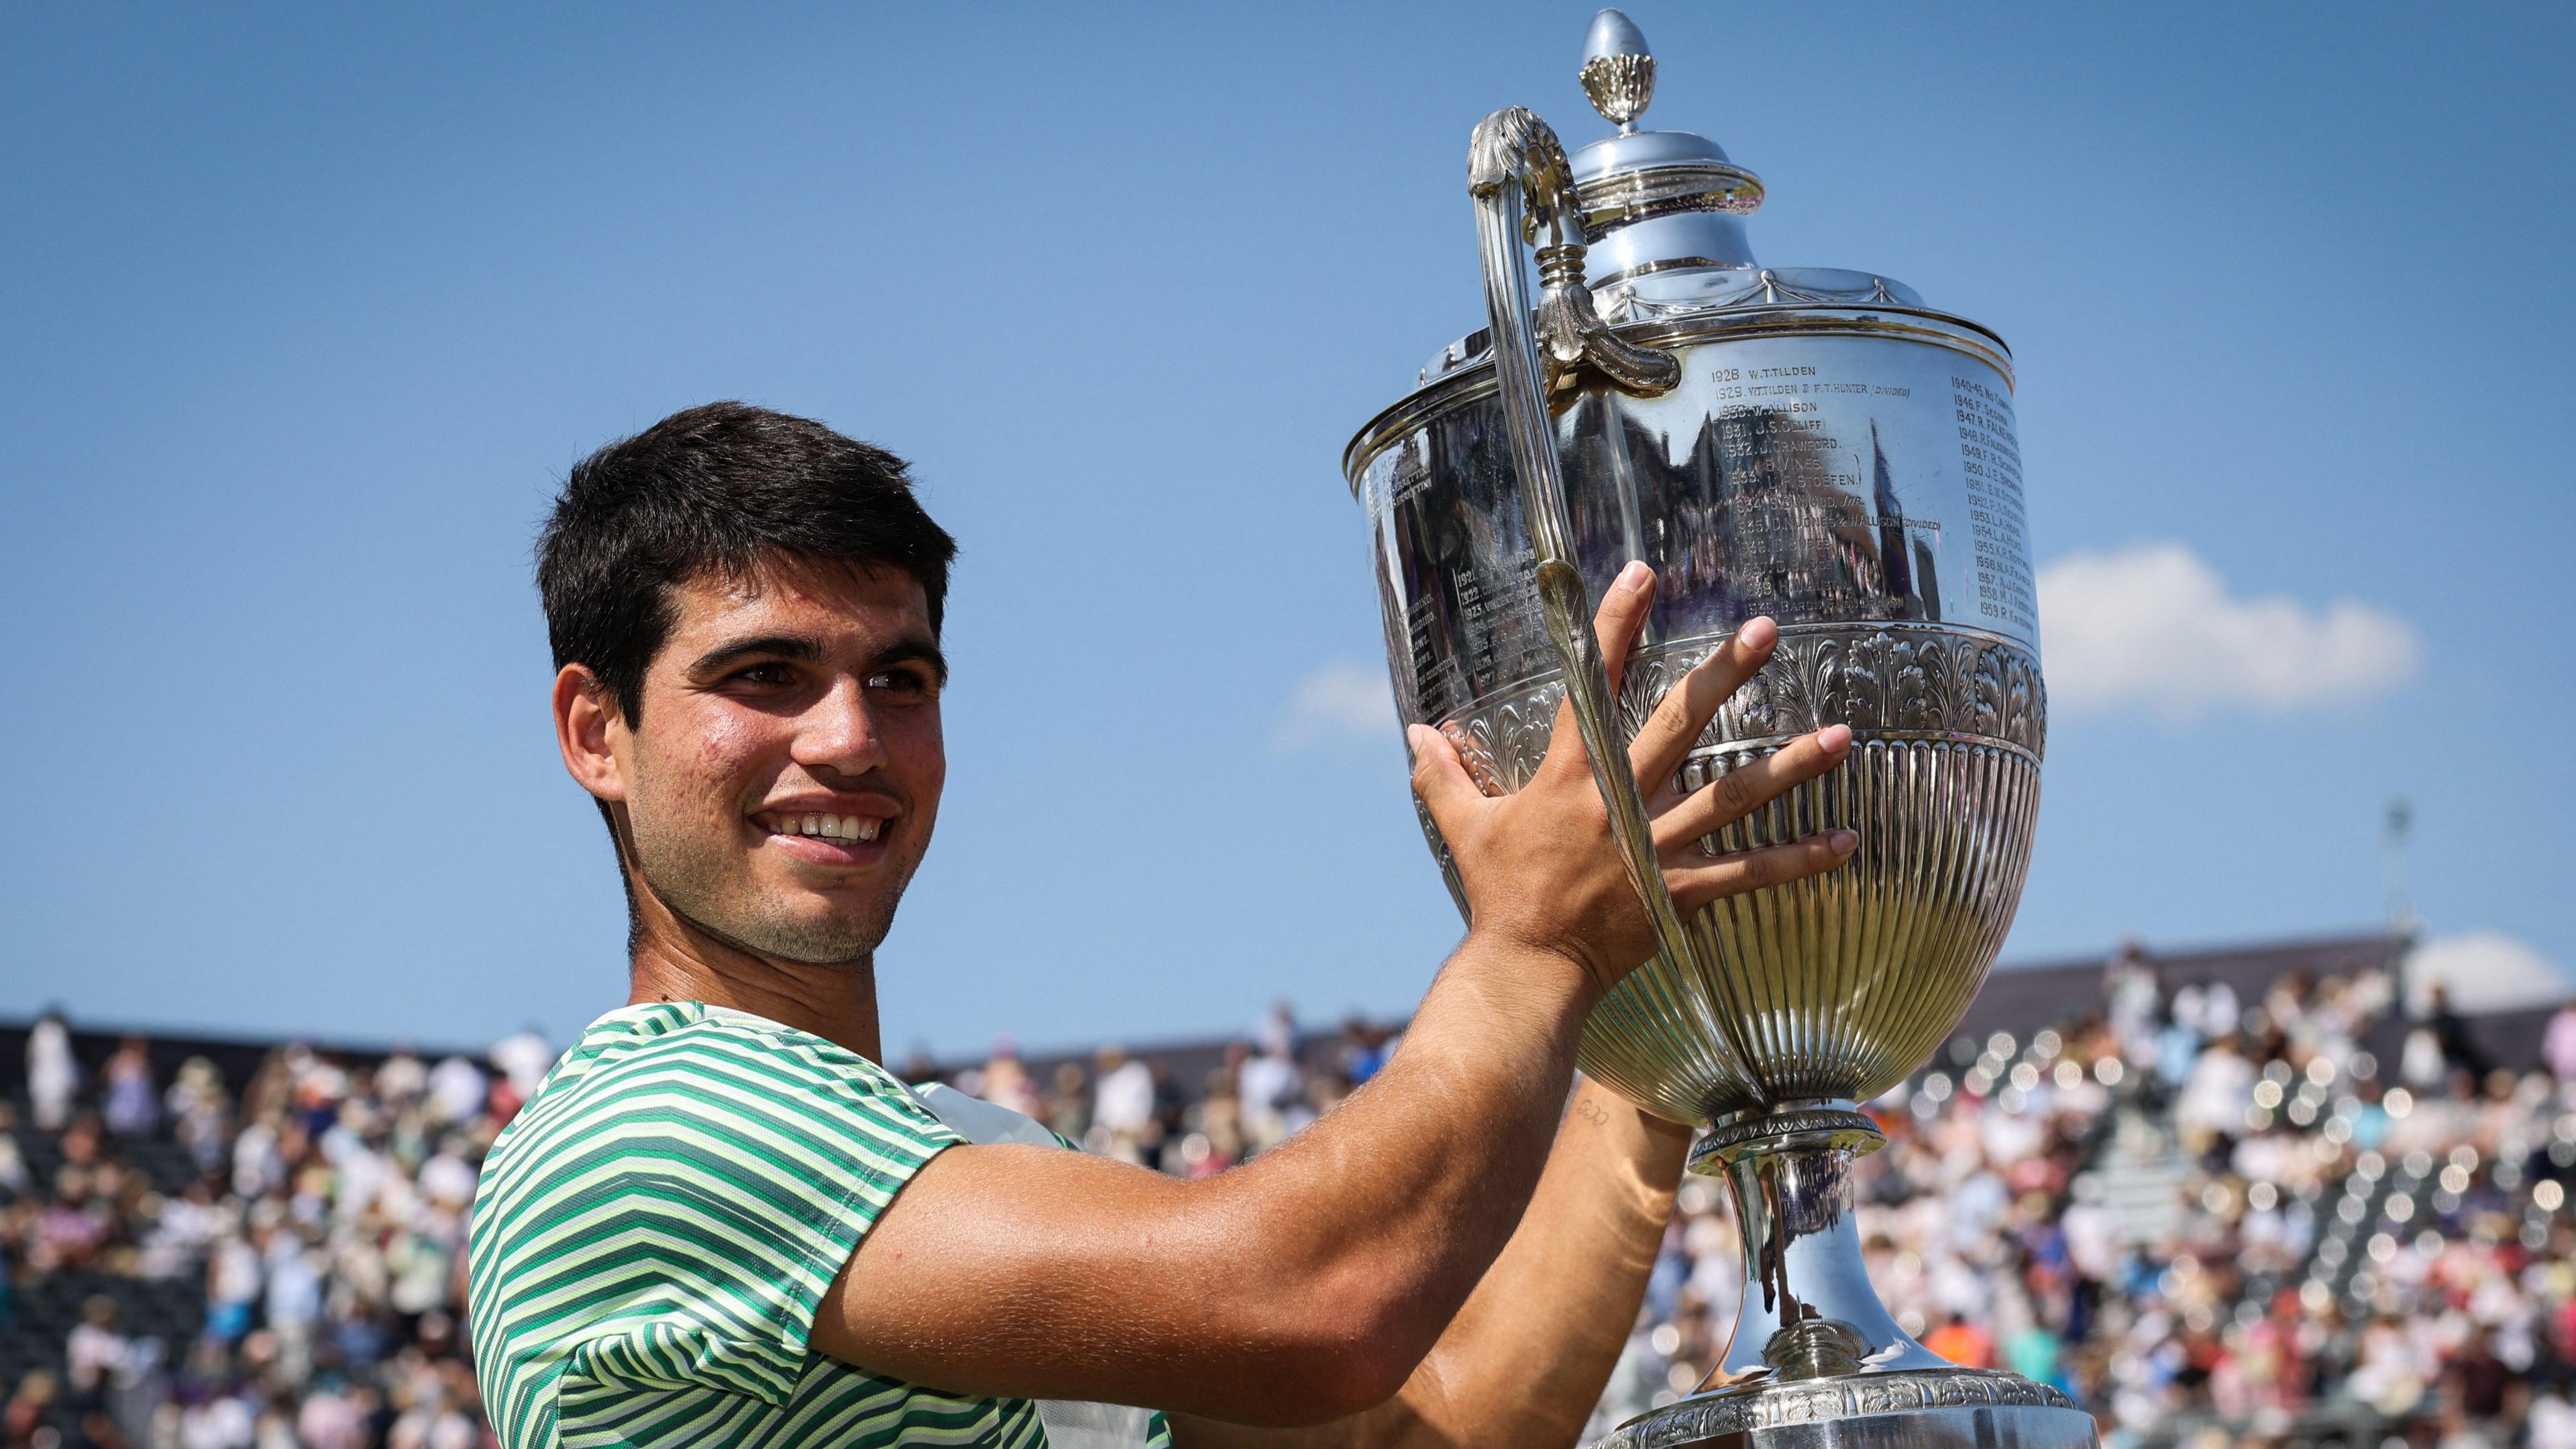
<point x="196" y="1104"/>
<point x="401" y="1078"/>
<point x="1214" y="1139"/>
<point x="52" y="1074"/>
<point x="1270" y="1087"/>
<point x="1366" y="1051"/>
<point x="132" y="1107"/>
<point x="1122" y="1106"/>
<point x="94" y="1350"/>
<point x="1068" y="1103"/>
<point x="2460" y="1050"/>
<point x="28" y="1410"/>
<point x="1006" y="1081"/>
<point x="457" y="1089"/>
<point x="13" y="1179"/>
<point x="334" y="1415"/>
<point x="524" y="1059"/>
<point x="2129" y="988"/>
<point x="1962" y="1342"/>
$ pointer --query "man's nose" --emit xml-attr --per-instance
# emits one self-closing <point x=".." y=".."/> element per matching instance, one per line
<point x="840" y="734"/>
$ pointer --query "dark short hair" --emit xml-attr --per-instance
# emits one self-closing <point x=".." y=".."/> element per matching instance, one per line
<point x="716" y="490"/>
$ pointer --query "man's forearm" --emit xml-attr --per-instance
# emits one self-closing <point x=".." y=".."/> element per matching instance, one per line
<point x="1526" y="1359"/>
<point x="1423" y="1176"/>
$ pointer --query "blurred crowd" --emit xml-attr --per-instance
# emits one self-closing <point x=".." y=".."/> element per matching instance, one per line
<point x="2213" y="1221"/>
<point x="1139" y="1109"/>
<point x="307" y="1225"/>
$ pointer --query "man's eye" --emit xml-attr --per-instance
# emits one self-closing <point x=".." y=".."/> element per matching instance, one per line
<point x="901" y="683"/>
<point x="766" y="675"/>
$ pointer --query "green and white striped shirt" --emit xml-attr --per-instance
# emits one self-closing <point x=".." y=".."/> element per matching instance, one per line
<point x="657" y="1227"/>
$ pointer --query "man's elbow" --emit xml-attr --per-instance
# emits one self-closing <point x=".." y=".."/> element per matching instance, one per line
<point x="1324" y="1385"/>
<point x="1350" y="1347"/>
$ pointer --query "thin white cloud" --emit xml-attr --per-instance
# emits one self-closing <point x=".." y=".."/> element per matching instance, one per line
<point x="2154" y="627"/>
<point x="1344" y="700"/>
<point x="2486" y="971"/>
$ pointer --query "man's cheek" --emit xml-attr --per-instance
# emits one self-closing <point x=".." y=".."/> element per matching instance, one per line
<point x="719" y="763"/>
<point x="722" y="743"/>
<point x="925" y="757"/>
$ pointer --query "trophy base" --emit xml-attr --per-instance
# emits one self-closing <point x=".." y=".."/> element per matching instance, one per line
<point x="1912" y="1409"/>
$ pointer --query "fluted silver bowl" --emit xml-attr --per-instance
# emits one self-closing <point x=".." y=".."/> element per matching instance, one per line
<point x="1835" y="456"/>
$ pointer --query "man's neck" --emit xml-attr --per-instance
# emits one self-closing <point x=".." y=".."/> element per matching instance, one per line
<point x="677" y="960"/>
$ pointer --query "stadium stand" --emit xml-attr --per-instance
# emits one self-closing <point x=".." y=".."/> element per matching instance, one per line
<point x="2224" y="1198"/>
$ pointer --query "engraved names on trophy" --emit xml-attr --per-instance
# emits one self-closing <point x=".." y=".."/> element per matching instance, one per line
<point x="1814" y="491"/>
<point x="1843" y="509"/>
<point x="1990" y="460"/>
<point x="1467" y="629"/>
<point x="1831" y="478"/>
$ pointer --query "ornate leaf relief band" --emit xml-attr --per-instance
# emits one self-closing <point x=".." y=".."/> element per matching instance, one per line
<point x="1876" y="678"/>
<point x="1770" y="1406"/>
<point x="1772" y="1127"/>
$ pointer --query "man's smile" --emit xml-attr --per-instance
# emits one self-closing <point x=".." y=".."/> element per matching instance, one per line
<point x="843" y="831"/>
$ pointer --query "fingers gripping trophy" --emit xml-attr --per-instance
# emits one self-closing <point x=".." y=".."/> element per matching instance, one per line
<point x="1815" y="447"/>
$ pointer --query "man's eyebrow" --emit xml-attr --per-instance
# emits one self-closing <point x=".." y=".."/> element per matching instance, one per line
<point x="907" y="651"/>
<point x="775" y="646"/>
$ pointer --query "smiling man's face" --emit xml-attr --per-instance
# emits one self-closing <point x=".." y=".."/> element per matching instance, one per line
<point x="780" y="788"/>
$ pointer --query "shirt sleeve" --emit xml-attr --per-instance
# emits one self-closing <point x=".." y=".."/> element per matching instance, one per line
<point x="749" y="1168"/>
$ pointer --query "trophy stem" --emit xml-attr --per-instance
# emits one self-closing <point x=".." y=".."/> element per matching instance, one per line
<point x="1808" y="1311"/>
<point x="1816" y="1362"/>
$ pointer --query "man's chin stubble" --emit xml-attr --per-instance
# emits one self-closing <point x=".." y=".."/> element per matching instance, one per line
<point x="839" y="944"/>
<point x="843" y="950"/>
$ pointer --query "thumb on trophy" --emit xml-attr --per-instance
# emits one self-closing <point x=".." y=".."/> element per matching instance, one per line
<point x="1440" y="777"/>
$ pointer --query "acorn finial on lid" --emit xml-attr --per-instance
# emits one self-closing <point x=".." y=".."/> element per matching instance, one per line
<point x="1618" y="70"/>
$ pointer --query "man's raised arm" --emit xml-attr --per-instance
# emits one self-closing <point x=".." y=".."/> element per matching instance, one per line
<point x="1311" y="1283"/>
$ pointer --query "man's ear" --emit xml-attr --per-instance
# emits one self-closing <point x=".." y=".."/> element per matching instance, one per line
<point x="585" y="717"/>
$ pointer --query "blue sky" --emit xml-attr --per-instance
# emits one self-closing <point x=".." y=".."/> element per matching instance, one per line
<point x="303" y="313"/>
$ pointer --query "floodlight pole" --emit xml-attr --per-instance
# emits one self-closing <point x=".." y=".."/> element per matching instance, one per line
<point x="2402" y="926"/>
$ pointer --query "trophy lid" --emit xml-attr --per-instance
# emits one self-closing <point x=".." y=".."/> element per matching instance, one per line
<point x="1663" y="218"/>
<point x="1653" y="201"/>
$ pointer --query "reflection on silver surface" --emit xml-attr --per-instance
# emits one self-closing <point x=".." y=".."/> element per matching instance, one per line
<point x="1820" y="476"/>
<point x="1809" y="1311"/>
<point x="1832" y="453"/>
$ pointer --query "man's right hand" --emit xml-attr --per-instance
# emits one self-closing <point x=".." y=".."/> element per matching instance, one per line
<point x="1539" y="866"/>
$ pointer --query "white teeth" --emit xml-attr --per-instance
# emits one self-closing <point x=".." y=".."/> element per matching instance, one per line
<point x="831" y="827"/>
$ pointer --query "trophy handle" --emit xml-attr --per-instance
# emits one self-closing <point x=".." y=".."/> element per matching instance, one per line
<point x="1514" y="161"/>
<point x="1514" y="158"/>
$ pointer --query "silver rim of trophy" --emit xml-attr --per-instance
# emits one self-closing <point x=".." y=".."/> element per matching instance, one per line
<point x="1812" y="444"/>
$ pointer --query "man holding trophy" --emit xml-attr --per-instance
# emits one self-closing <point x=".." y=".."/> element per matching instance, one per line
<point x="719" y="1218"/>
<point x="1754" y="883"/>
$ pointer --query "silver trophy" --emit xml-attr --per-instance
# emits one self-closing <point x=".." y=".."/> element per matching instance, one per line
<point x="1814" y="445"/>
